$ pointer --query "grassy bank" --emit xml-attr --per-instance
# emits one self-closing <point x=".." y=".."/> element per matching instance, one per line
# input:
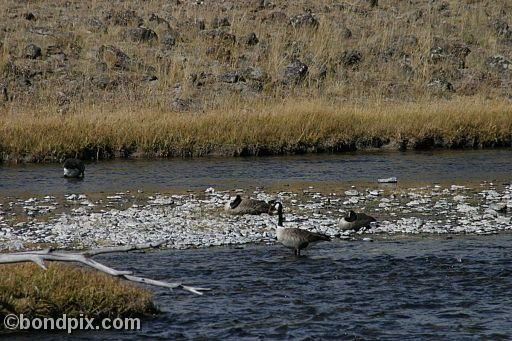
<point x="64" y="289"/>
<point x="284" y="128"/>
<point x="186" y="78"/>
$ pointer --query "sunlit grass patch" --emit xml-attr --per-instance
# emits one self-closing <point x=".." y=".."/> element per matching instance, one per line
<point x="67" y="289"/>
<point x="286" y="127"/>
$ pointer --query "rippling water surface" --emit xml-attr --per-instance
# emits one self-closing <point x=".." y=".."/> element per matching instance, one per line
<point x="426" y="289"/>
<point x="121" y="175"/>
<point x="401" y="289"/>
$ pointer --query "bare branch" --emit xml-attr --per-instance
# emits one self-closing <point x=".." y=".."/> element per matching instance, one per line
<point x="38" y="257"/>
<point x="125" y="248"/>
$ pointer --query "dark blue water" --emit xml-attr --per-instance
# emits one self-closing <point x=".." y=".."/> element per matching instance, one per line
<point x="222" y="173"/>
<point x="416" y="289"/>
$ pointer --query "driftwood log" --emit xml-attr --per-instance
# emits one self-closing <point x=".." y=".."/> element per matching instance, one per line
<point x="40" y="256"/>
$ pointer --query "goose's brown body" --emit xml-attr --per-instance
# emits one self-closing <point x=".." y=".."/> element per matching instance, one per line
<point x="355" y="221"/>
<point x="240" y="206"/>
<point x="295" y="238"/>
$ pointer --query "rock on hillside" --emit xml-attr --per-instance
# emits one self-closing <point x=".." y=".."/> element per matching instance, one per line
<point x="187" y="54"/>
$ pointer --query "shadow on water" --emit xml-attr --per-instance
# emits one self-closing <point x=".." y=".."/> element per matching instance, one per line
<point x="74" y="180"/>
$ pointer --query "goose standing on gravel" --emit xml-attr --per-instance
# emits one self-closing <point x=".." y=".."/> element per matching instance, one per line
<point x="295" y="238"/>
<point x="74" y="168"/>
<point x="240" y="206"/>
<point x="355" y="221"/>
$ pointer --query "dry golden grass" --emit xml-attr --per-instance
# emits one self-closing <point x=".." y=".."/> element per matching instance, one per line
<point x="287" y="127"/>
<point x="71" y="290"/>
<point x="385" y="97"/>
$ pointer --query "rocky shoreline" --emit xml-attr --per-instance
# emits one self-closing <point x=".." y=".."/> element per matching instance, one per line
<point x="197" y="219"/>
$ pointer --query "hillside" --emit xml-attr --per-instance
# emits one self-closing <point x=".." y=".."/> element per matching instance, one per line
<point x="166" y="78"/>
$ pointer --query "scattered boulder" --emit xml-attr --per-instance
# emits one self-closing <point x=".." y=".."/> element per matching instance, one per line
<point x="141" y="34"/>
<point x="123" y="18"/>
<point x="455" y="53"/>
<point x="372" y="3"/>
<point x="96" y="25"/>
<point x="460" y="52"/>
<point x="406" y="67"/>
<point x="114" y="57"/>
<point x="168" y="40"/>
<point x="294" y="73"/>
<point x="250" y="40"/>
<point x="499" y="63"/>
<point x="219" y="35"/>
<point x="306" y="20"/>
<point x="264" y="4"/>
<point x="201" y="79"/>
<point x="23" y="82"/>
<point x="440" y="87"/>
<point x="232" y="77"/>
<point x="503" y="31"/>
<point x="29" y="16"/>
<point x="351" y="58"/>
<point x="62" y="98"/>
<point x="255" y="74"/>
<point x="32" y="51"/>
<point x="104" y="82"/>
<point x="444" y="9"/>
<point x="438" y="54"/>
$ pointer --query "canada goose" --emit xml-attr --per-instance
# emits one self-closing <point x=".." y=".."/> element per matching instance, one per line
<point x="355" y="221"/>
<point x="74" y="168"/>
<point x="241" y="206"/>
<point x="295" y="238"/>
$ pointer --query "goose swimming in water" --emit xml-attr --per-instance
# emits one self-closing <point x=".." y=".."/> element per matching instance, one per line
<point x="74" y="168"/>
<point x="355" y="221"/>
<point x="240" y="206"/>
<point x="295" y="238"/>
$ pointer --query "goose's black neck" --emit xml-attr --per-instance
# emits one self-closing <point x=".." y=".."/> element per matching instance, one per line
<point x="235" y="202"/>
<point x="280" y="214"/>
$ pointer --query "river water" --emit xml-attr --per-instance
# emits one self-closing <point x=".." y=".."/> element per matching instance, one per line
<point x="421" y="288"/>
<point x="409" y="289"/>
<point x="222" y="173"/>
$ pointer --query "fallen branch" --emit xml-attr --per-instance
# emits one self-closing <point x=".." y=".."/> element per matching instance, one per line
<point x="40" y="256"/>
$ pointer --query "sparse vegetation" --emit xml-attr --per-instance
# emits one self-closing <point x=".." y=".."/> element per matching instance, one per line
<point x="65" y="289"/>
<point x="248" y="77"/>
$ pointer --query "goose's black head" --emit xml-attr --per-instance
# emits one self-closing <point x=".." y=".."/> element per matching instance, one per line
<point x="235" y="202"/>
<point x="351" y="216"/>
<point x="279" y="207"/>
